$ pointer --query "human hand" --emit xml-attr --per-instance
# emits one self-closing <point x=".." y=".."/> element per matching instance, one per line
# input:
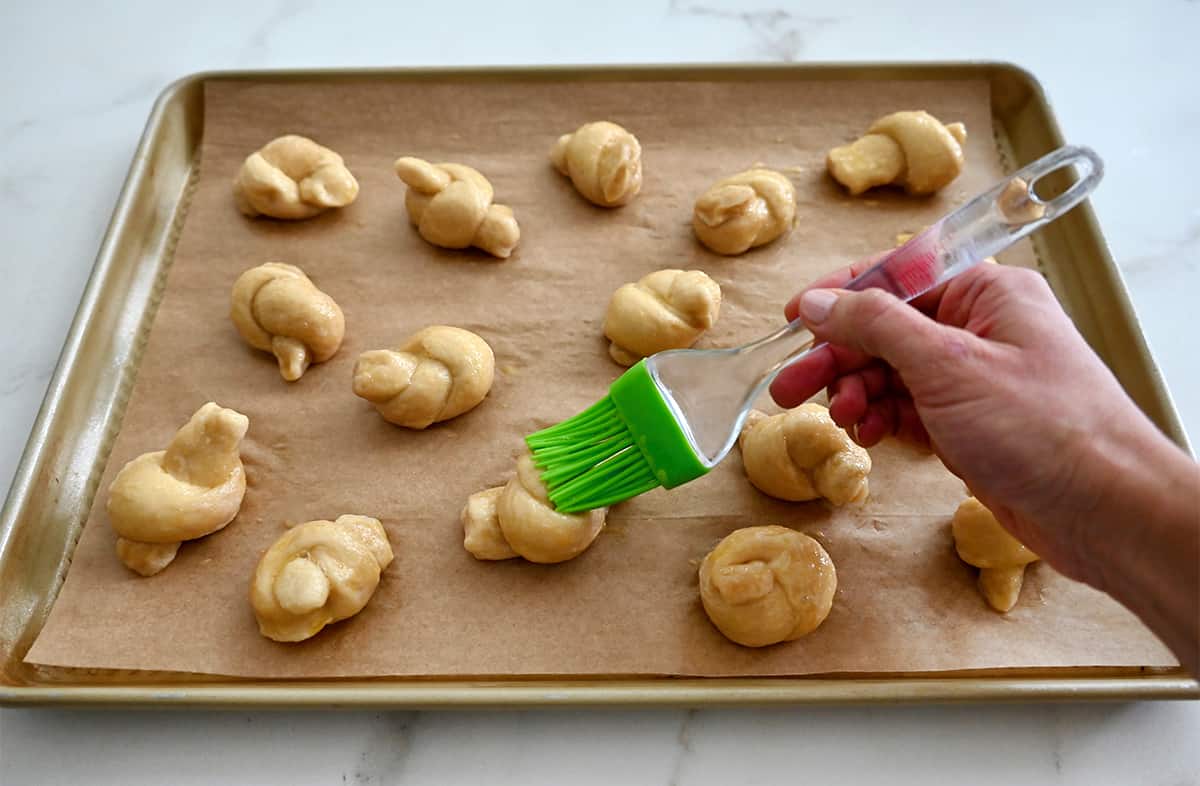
<point x="989" y="373"/>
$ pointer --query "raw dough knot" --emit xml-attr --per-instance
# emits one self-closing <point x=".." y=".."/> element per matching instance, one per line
<point x="603" y="160"/>
<point x="317" y="573"/>
<point x="911" y="149"/>
<point x="191" y="489"/>
<point x="980" y="540"/>
<point x="746" y="210"/>
<point x="451" y="206"/>
<point x="764" y="585"/>
<point x="668" y="309"/>
<point x="518" y="519"/>
<point x="293" y="177"/>
<point x="801" y="455"/>
<point x="276" y="308"/>
<point x="440" y="372"/>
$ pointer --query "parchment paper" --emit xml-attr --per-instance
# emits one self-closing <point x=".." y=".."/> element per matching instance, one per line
<point x="629" y="605"/>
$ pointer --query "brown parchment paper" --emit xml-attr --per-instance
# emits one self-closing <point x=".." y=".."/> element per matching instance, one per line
<point x="628" y="605"/>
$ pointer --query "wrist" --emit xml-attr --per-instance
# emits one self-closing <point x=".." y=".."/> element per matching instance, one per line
<point x="1140" y="485"/>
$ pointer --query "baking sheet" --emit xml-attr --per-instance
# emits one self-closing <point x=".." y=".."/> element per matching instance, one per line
<point x="628" y="605"/>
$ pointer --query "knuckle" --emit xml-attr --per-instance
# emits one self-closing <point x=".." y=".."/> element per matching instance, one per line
<point x="1020" y="280"/>
<point x="954" y="347"/>
<point x="870" y="307"/>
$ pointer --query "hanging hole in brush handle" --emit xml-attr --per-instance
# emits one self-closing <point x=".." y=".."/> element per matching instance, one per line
<point x="1091" y="171"/>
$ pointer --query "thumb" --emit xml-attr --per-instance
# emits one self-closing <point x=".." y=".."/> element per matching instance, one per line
<point x="880" y="325"/>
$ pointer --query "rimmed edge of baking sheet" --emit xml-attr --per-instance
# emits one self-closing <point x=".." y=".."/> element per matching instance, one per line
<point x="82" y="412"/>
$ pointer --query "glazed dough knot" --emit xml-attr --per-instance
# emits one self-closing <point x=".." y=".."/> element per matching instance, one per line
<point x="603" y="160"/>
<point x="317" y="573"/>
<point x="668" y="309"/>
<point x="451" y="206"/>
<point x="191" y="489"/>
<point x="293" y="177"/>
<point x="764" y="585"/>
<point x="746" y="210"/>
<point x="518" y="519"/>
<point x="440" y="372"/>
<point x="801" y="454"/>
<point x="980" y="540"/>
<point x="276" y="308"/>
<point x="911" y="149"/>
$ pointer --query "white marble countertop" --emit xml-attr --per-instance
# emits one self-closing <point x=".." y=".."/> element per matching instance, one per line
<point x="79" y="83"/>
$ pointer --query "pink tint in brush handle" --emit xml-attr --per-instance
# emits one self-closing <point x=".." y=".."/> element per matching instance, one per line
<point x="908" y="271"/>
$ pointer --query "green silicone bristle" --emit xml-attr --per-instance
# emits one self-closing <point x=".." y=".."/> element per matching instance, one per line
<point x="625" y="444"/>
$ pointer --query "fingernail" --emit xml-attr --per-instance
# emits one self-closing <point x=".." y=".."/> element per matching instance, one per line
<point x="816" y="304"/>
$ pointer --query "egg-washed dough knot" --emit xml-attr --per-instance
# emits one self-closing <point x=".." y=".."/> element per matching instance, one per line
<point x="802" y="454"/>
<point x="518" y="520"/>
<point x="293" y="177"/>
<point x="193" y="488"/>
<point x="744" y="211"/>
<point x="668" y="309"/>
<point x="980" y="540"/>
<point x="763" y="585"/>
<point x="1016" y="203"/>
<point x="911" y="149"/>
<point x="438" y="373"/>
<point x="277" y="309"/>
<point x="603" y="160"/>
<point x="451" y="206"/>
<point x="318" y="573"/>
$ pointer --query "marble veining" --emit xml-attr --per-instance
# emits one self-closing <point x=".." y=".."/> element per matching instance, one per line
<point x="384" y="750"/>
<point x="81" y="79"/>
<point x="779" y="34"/>
<point x="683" y="749"/>
<point x="259" y="41"/>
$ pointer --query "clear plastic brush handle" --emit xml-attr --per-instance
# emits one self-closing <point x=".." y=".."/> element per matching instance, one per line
<point x="985" y="226"/>
<point x="710" y="390"/>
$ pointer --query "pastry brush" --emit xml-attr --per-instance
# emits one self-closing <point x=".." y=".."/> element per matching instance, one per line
<point x="675" y="415"/>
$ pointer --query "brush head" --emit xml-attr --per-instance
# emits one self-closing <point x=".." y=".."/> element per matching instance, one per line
<point x="590" y="460"/>
<point x="625" y="444"/>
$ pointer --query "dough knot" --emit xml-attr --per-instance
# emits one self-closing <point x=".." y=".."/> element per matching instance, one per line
<point x="911" y="149"/>
<point x="764" y="585"/>
<point x="451" y="206"/>
<point x="603" y="160"/>
<point x="982" y="541"/>
<point x="746" y="210"/>
<point x="802" y="454"/>
<point x="277" y="309"/>
<point x="191" y="489"/>
<point x="667" y="309"/>
<point x="317" y="573"/>
<point x="440" y="372"/>
<point x="293" y="177"/>
<point x="518" y="519"/>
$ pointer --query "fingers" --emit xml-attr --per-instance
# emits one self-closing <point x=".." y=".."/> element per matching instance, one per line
<point x="848" y="400"/>
<point x="838" y="279"/>
<point x="877" y="324"/>
<point x="909" y="426"/>
<point x="835" y="280"/>
<point x="813" y="373"/>
<point x="877" y="423"/>
<point x="850" y="395"/>
<point x="892" y="415"/>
